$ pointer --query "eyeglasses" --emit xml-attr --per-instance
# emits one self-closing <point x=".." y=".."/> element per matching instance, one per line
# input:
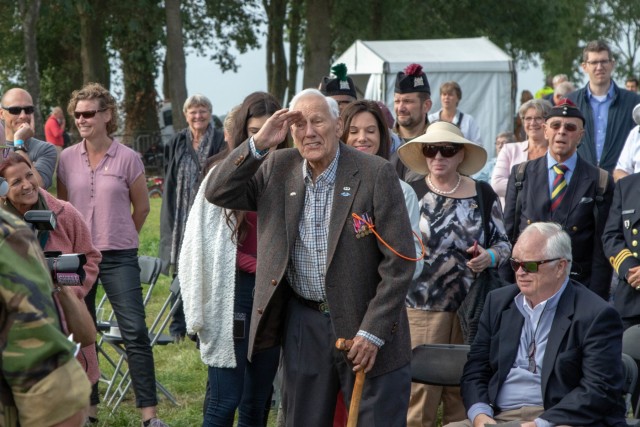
<point x="529" y="266"/>
<point x="569" y="127"/>
<point x="536" y="119"/>
<point x="603" y="62"/>
<point x="431" y="151"/>
<point x="15" y="111"/>
<point x="87" y="114"/>
<point x="531" y="355"/>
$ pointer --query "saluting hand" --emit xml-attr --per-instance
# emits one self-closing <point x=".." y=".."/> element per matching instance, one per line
<point x="275" y="128"/>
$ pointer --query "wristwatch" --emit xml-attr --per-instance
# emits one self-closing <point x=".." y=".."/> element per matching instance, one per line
<point x="18" y="145"/>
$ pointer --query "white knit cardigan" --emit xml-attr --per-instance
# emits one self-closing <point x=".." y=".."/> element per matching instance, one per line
<point x="207" y="273"/>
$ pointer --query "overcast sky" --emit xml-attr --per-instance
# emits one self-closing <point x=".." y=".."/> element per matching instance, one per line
<point x="228" y="89"/>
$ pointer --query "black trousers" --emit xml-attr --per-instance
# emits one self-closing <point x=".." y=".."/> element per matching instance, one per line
<point x="314" y="370"/>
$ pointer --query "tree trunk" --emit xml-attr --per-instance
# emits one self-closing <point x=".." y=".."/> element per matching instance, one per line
<point x="295" y="23"/>
<point x="137" y="37"/>
<point x="276" y="60"/>
<point x="317" y="53"/>
<point x="176" y="64"/>
<point x="29" y="11"/>
<point x="95" y="66"/>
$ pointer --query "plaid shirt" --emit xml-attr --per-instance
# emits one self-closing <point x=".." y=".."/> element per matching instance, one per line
<point x="308" y="264"/>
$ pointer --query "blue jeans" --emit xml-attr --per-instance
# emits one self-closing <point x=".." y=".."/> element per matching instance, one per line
<point x="120" y="277"/>
<point x="248" y="385"/>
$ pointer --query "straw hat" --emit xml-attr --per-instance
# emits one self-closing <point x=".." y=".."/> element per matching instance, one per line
<point x="411" y="155"/>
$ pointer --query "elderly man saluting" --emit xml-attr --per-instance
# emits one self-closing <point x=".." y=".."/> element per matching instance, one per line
<point x="322" y="274"/>
<point x="548" y="351"/>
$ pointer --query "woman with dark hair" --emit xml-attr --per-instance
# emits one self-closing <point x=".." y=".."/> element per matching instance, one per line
<point x="71" y="235"/>
<point x="217" y="280"/>
<point x="105" y="181"/>
<point x="365" y="129"/>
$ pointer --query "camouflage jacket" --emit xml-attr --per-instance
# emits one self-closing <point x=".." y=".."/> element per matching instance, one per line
<point x="31" y="340"/>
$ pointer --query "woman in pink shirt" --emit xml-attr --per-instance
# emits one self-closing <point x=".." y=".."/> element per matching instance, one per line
<point x="105" y="181"/>
<point x="532" y="113"/>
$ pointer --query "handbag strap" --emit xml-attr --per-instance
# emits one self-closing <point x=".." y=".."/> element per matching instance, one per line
<point x="484" y="215"/>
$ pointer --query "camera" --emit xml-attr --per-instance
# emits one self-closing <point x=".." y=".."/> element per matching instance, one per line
<point x="67" y="269"/>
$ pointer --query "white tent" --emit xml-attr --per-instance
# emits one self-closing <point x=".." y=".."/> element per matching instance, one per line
<point x="484" y="72"/>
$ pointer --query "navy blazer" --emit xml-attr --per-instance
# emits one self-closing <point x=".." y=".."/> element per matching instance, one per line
<point x="365" y="283"/>
<point x="581" y="370"/>
<point x="621" y="241"/>
<point x="619" y="123"/>
<point x="575" y="214"/>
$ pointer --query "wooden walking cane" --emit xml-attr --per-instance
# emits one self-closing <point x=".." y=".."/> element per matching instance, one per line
<point x="345" y="345"/>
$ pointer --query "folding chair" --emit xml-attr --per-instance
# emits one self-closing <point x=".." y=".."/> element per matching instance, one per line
<point x="116" y="392"/>
<point x="631" y="347"/>
<point x="438" y="364"/>
<point x="150" y="268"/>
<point x="630" y="374"/>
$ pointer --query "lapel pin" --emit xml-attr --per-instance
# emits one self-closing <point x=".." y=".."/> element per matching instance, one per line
<point x="293" y="193"/>
<point x="346" y="188"/>
<point x="627" y="223"/>
<point x="345" y="194"/>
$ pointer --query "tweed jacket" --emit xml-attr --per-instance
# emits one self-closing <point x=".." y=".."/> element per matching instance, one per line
<point x="365" y="283"/>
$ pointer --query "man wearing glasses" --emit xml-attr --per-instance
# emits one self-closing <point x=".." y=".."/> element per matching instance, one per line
<point x="607" y="108"/>
<point x="561" y="187"/>
<point x="548" y="350"/>
<point x="16" y="111"/>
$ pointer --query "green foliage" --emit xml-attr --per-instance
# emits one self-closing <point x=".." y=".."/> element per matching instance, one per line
<point x="617" y="22"/>
<point x="220" y="25"/>
<point x="58" y="55"/>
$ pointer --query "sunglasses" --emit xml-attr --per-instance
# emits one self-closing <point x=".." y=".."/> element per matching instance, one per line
<point x="15" y="111"/>
<point x="87" y="114"/>
<point x="529" y="266"/>
<point x="569" y="127"/>
<point x="430" y="151"/>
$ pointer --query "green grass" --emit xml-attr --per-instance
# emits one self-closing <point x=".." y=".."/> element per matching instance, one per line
<point x="178" y="366"/>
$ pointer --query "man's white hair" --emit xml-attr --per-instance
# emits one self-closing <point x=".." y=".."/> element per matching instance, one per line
<point x="558" y="242"/>
<point x="331" y="103"/>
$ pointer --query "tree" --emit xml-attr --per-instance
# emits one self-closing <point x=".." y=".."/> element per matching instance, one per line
<point x="318" y="51"/>
<point x="93" y="52"/>
<point x="295" y="29"/>
<point x="137" y="40"/>
<point x="176" y="64"/>
<point x="276" y="65"/>
<point x="29" y="11"/>
<point x="58" y="55"/>
<point x="618" y="23"/>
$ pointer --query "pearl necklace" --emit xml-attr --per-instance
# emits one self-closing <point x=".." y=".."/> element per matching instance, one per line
<point x="443" y="192"/>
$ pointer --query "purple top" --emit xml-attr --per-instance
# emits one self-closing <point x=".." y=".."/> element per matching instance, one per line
<point x="102" y="195"/>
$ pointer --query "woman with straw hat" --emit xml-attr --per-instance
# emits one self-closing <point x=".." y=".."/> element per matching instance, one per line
<point x="462" y="225"/>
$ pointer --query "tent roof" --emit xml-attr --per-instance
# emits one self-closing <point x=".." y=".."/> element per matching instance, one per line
<point x="450" y="55"/>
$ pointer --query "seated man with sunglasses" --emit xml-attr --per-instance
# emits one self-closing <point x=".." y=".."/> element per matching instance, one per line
<point x="16" y="110"/>
<point x="562" y="187"/>
<point x="548" y="350"/>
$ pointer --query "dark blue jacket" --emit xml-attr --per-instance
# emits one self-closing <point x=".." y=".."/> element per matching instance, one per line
<point x="618" y="126"/>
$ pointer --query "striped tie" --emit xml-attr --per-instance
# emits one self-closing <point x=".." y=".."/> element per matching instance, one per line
<point x="559" y="186"/>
